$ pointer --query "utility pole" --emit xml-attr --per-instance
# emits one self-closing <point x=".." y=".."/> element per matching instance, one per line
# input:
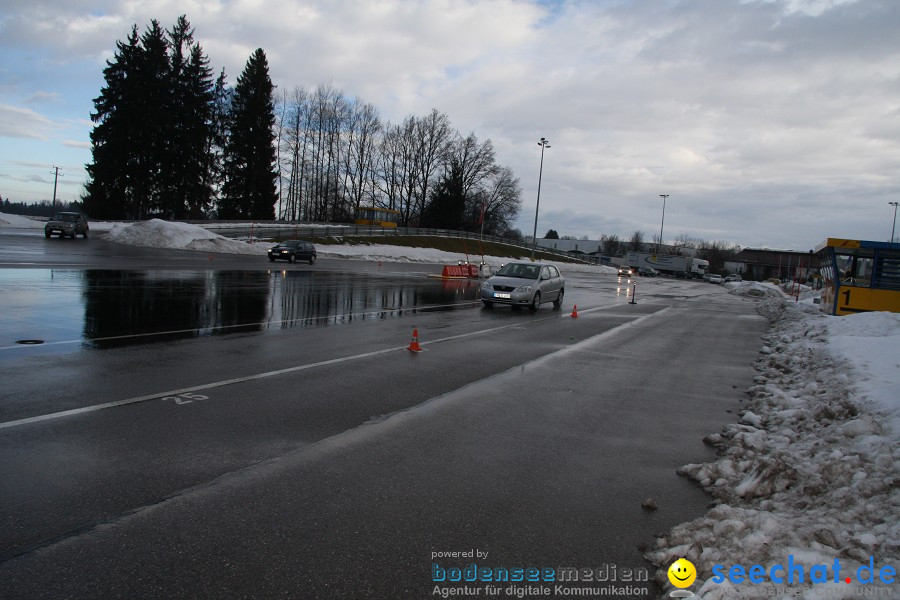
<point x="55" y="178"/>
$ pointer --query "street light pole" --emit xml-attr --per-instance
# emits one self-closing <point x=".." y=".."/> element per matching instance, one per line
<point x="894" y="226"/>
<point x="663" y="196"/>
<point x="544" y="143"/>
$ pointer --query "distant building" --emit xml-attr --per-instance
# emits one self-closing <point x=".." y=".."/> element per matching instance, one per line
<point x="760" y="264"/>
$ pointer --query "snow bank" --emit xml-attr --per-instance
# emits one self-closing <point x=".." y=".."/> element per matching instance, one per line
<point x="812" y="468"/>
<point x="430" y="255"/>
<point x="20" y="222"/>
<point x="157" y="233"/>
<point x="754" y="289"/>
<point x="182" y="236"/>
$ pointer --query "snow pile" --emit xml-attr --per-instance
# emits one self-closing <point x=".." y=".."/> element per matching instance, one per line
<point x="20" y="222"/>
<point x="389" y="253"/>
<point x="812" y="469"/>
<point x="754" y="289"/>
<point x="157" y="233"/>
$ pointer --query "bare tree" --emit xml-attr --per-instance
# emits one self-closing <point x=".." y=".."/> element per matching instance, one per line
<point x="433" y="137"/>
<point x="611" y="245"/>
<point x="686" y="241"/>
<point x="717" y="253"/>
<point x="476" y="161"/>
<point x="499" y="201"/>
<point x="637" y="241"/>
<point x="362" y="127"/>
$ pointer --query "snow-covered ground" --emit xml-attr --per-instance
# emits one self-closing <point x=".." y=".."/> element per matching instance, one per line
<point x="810" y="474"/>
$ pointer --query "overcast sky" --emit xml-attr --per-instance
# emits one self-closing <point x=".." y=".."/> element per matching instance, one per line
<point x="769" y="123"/>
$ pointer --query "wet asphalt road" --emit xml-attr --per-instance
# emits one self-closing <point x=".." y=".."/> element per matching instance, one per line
<point x="207" y="426"/>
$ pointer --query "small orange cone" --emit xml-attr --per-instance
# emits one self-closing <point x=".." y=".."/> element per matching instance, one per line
<point x="575" y="311"/>
<point x="414" y="344"/>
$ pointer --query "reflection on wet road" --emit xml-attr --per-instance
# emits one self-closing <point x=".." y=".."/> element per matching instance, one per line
<point x="105" y="308"/>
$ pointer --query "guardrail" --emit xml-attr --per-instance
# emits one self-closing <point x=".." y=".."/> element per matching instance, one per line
<point x="285" y="230"/>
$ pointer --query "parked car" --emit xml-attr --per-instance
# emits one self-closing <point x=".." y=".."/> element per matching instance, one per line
<point x="626" y="272"/>
<point x="648" y="272"/>
<point x="733" y="277"/>
<point x="713" y="278"/>
<point x="67" y="224"/>
<point x="524" y="284"/>
<point x="292" y="251"/>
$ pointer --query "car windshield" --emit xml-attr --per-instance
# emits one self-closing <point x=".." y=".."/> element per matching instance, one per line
<point x="519" y="270"/>
<point x="290" y="244"/>
<point x="65" y="217"/>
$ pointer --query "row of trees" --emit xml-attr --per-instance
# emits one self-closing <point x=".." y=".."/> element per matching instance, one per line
<point x="37" y="209"/>
<point x="337" y="155"/>
<point x="170" y="141"/>
<point x="716" y="252"/>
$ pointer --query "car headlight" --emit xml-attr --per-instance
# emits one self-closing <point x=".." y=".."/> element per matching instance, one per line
<point x="524" y="289"/>
<point x="487" y="286"/>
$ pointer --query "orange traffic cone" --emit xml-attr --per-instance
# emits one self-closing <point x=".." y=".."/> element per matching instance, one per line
<point x="414" y="344"/>
<point x="575" y="311"/>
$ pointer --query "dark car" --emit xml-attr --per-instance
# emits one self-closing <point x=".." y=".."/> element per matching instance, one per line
<point x="648" y="272"/>
<point x="67" y="224"/>
<point x="293" y="250"/>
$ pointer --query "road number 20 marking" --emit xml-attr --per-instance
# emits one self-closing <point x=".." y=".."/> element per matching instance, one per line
<point x="186" y="398"/>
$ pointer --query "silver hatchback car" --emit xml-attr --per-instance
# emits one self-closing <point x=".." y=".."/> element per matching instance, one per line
<point x="524" y="284"/>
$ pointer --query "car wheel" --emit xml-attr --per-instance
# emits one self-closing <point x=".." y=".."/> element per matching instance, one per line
<point x="558" y="302"/>
<point x="536" y="301"/>
<point x="271" y="259"/>
<point x="292" y="259"/>
<point x="47" y="234"/>
<point x="312" y="259"/>
<point x="488" y="304"/>
<point x="85" y="234"/>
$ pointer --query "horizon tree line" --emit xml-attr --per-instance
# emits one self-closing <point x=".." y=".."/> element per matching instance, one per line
<point x="171" y="141"/>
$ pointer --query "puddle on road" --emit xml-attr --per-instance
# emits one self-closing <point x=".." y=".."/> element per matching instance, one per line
<point x="112" y="308"/>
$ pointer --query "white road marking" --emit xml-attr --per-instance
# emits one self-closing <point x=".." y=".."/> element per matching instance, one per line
<point x="223" y="327"/>
<point x="224" y="382"/>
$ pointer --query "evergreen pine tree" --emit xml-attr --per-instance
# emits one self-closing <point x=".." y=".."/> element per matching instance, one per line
<point x="249" y="167"/>
<point x="154" y="123"/>
<point x="152" y="141"/>
<point x="189" y="189"/>
<point x="109" y="193"/>
<point x="215" y="148"/>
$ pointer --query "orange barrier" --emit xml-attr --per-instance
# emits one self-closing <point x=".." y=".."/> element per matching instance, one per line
<point x="466" y="271"/>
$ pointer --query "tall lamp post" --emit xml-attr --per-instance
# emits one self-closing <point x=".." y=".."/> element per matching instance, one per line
<point x="544" y="143"/>
<point x="894" y="226"/>
<point x="663" y="196"/>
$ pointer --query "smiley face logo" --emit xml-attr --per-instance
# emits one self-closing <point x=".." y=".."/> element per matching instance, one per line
<point x="682" y="573"/>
